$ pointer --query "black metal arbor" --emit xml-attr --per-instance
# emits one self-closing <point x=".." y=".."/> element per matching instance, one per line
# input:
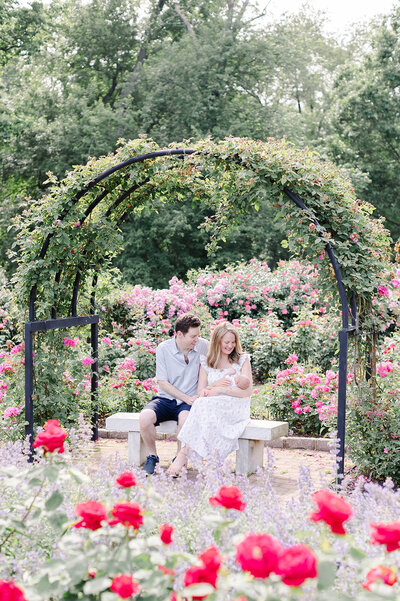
<point x="348" y="309"/>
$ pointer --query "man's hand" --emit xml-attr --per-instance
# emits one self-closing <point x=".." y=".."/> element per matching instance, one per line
<point x="192" y="399"/>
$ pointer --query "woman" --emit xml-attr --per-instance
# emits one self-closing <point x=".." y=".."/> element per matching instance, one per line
<point x="221" y="413"/>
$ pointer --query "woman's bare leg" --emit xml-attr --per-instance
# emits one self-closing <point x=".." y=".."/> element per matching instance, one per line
<point x="179" y="462"/>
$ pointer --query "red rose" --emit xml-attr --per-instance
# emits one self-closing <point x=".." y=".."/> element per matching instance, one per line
<point x="92" y="514"/>
<point x="125" y="586"/>
<point x="52" y="437"/>
<point x="126" y="480"/>
<point x="211" y="558"/>
<point x="129" y="514"/>
<point x="197" y="574"/>
<point x="333" y="510"/>
<point x="9" y="591"/>
<point x="295" y="564"/>
<point x="387" y="575"/>
<point x="386" y="534"/>
<point x="258" y="554"/>
<point x="230" y="497"/>
<point x="207" y="572"/>
<point x="165" y="533"/>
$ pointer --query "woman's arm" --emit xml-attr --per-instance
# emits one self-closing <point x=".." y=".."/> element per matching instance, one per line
<point x="234" y="390"/>
<point x="203" y="379"/>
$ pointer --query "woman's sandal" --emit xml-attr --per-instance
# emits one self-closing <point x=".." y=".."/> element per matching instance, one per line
<point x="175" y="473"/>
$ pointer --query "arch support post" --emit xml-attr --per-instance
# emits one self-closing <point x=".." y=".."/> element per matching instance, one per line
<point x="341" y="416"/>
<point x="55" y="324"/>
<point x="94" y="340"/>
<point x="29" y="386"/>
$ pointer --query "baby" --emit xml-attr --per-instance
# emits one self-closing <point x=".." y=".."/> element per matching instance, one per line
<point x="240" y="381"/>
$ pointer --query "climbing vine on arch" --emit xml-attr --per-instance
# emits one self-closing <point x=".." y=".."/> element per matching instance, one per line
<point x="229" y="177"/>
<point x="77" y="221"/>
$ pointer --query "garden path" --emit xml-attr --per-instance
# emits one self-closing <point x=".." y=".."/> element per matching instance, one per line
<point x="286" y="464"/>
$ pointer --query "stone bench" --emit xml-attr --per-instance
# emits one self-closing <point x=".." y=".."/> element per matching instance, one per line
<point x="249" y="456"/>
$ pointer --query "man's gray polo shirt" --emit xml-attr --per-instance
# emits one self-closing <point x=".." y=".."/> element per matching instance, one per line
<point x="172" y="367"/>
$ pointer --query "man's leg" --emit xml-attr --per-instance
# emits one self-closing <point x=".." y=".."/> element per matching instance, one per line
<point x="147" y="421"/>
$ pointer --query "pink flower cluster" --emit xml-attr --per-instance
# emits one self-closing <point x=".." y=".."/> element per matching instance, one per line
<point x="12" y="412"/>
<point x="71" y="341"/>
<point x="385" y="367"/>
<point x="308" y="392"/>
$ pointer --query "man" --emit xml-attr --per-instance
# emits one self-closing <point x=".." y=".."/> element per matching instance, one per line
<point x="177" y="373"/>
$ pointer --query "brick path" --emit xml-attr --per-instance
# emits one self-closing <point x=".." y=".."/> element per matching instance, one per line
<point x="286" y="463"/>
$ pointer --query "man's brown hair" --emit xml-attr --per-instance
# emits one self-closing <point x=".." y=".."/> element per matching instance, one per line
<point x="186" y="321"/>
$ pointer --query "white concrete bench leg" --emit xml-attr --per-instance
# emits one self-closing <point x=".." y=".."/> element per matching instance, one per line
<point x="249" y="456"/>
<point x="136" y="449"/>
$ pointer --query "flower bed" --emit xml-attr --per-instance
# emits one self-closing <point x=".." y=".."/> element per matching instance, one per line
<point x="117" y="534"/>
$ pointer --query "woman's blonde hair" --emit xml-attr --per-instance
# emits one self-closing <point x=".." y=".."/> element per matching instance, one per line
<point x="214" y="350"/>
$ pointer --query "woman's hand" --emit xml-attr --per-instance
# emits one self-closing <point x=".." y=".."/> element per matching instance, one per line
<point x="222" y="382"/>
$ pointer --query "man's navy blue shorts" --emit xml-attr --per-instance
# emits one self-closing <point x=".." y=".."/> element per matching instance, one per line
<point x="166" y="409"/>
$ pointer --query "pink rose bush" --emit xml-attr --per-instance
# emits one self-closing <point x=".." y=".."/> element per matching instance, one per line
<point x="307" y="399"/>
<point x="278" y="313"/>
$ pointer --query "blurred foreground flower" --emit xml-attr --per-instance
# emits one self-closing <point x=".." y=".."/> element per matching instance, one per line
<point x="52" y="438"/>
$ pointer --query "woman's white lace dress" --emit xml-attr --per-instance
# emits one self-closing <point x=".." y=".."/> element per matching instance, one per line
<point x="215" y="423"/>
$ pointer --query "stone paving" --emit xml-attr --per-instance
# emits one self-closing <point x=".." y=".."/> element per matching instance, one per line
<point x="287" y="463"/>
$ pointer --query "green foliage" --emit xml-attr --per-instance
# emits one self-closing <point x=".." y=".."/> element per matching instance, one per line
<point x="365" y="117"/>
<point x="373" y="421"/>
<point x="228" y="177"/>
<point x="20" y="28"/>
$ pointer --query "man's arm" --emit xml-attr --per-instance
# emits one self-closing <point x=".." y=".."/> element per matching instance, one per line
<point x="175" y="393"/>
<point x="162" y="378"/>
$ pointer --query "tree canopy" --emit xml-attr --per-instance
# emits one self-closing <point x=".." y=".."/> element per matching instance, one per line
<point x="76" y="76"/>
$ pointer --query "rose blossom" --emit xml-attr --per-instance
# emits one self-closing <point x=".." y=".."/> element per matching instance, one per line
<point x="124" y="585"/>
<point x="11" y="412"/>
<point x="211" y="558"/>
<point x="383" y="290"/>
<point x="9" y="591"/>
<point x="386" y="534"/>
<point x="92" y="514"/>
<point x="52" y="438"/>
<point x="296" y="564"/>
<point x="332" y="509"/>
<point x="208" y="570"/>
<point x="387" y="575"/>
<point x="166" y="531"/>
<point x="87" y="361"/>
<point x="258" y="554"/>
<point x="197" y="574"/>
<point x="126" y="480"/>
<point x="230" y="497"/>
<point x="128" y="514"/>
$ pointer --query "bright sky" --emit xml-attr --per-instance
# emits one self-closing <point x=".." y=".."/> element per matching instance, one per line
<point x="340" y="13"/>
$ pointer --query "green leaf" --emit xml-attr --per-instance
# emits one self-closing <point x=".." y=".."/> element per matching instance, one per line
<point x="54" y="501"/>
<point x="198" y="590"/>
<point x="97" y="585"/>
<point x="58" y="520"/>
<point x="356" y="553"/>
<point x="326" y="574"/>
<point x="51" y="473"/>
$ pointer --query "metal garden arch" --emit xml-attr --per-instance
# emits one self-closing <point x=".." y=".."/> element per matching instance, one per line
<point x="74" y="320"/>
